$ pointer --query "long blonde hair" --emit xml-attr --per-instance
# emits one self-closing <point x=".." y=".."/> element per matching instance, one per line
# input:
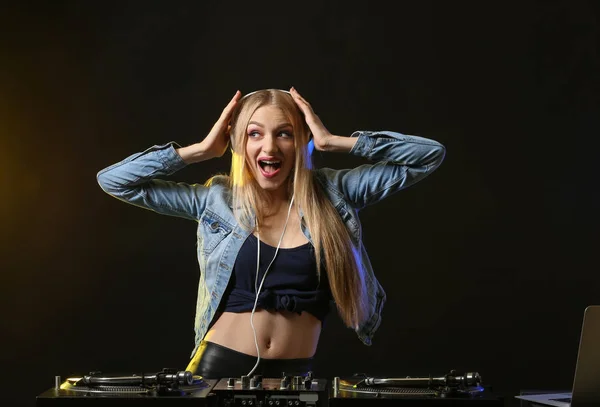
<point x="331" y="239"/>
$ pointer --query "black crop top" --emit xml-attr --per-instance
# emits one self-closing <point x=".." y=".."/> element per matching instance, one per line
<point x="291" y="283"/>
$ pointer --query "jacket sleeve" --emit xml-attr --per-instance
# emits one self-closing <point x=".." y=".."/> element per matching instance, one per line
<point x="400" y="161"/>
<point x="135" y="180"/>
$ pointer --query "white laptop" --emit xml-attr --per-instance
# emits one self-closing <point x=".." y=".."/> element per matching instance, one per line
<point x="586" y="384"/>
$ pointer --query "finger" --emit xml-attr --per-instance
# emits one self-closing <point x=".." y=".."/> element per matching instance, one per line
<point x="231" y="105"/>
<point x="303" y="104"/>
<point x="306" y="107"/>
<point x="234" y="99"/>
<point x="295" y="92"/>
<point x="236" y="96"/>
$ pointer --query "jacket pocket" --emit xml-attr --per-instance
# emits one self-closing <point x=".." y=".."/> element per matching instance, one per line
<point x="211" y="231"/>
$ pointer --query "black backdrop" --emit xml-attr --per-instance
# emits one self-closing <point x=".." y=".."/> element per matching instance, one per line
<point x="488" y="263"/>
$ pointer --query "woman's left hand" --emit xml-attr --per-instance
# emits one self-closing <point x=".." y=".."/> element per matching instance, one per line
<point x="321" y="135"/>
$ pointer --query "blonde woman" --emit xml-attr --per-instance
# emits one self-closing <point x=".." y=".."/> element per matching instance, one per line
<point x="278" y="241"/>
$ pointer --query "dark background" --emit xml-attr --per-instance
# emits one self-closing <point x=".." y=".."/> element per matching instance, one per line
<point x="488" y="263"/>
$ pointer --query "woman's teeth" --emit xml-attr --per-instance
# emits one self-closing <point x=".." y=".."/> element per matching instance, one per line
<point x="269" y="165"/>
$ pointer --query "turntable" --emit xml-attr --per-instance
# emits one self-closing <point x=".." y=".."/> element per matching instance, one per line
<point x="452" y="389"/>
<point x="97" y="389"/>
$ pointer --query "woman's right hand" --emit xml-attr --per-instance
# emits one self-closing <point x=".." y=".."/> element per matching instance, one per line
<point x="216" y="142"/>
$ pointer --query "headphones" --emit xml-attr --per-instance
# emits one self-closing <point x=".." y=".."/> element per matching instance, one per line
<point x="260" y="90"/>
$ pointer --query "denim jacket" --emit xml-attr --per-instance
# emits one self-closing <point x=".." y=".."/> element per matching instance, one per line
<point x="398" y="161"/>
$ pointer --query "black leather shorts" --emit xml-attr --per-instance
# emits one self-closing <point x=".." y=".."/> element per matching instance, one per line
<point x="217" y="362"/>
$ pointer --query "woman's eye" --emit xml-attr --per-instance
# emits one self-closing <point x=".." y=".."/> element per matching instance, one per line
<point x="256" y="133"/>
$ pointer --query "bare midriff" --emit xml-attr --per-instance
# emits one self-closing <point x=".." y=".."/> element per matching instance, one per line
<point x="280" y="335"/>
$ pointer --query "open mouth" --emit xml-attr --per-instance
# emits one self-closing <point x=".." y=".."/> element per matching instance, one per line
<point x="269" y="168"/>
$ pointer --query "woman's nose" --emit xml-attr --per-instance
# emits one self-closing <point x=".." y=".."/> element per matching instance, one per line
<point x="270" y="145"/>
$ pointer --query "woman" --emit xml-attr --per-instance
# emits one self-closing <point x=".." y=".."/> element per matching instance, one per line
<point x="277" y="240"/>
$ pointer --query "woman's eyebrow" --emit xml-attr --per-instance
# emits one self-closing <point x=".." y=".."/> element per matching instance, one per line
<point x="283" y="125"/>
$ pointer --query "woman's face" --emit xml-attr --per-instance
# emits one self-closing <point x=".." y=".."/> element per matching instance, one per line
<point x="270" y="150"/>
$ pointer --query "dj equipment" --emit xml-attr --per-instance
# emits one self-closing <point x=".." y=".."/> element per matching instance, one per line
<point x="171" y="387"/>
<point x="284" y="391"/>
<point x="452" y="389"/>
<point x="96" y="389"/>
